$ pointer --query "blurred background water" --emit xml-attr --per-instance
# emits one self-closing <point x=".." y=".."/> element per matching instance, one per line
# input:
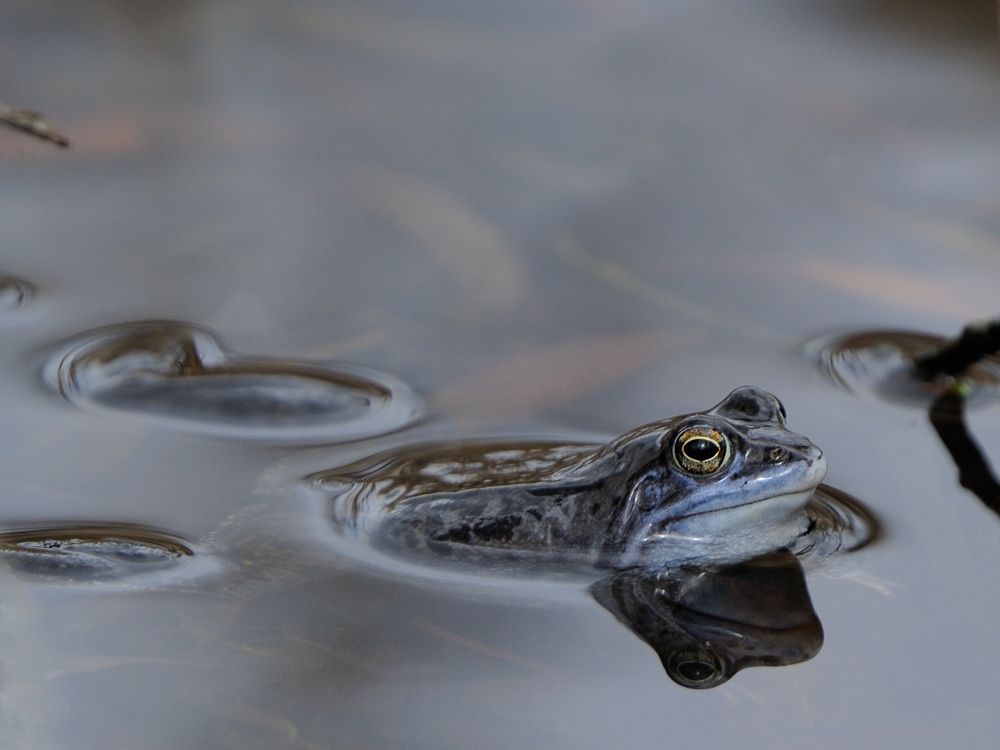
<point x="552" y="217"/>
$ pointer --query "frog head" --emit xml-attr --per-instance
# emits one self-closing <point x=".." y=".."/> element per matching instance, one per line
<point x="725" y="485"/>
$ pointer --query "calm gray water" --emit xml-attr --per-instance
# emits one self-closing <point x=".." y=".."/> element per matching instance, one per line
<point x="566" y="217"/>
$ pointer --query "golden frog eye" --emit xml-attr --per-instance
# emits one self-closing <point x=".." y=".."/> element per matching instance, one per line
<point x="700" y="450"/>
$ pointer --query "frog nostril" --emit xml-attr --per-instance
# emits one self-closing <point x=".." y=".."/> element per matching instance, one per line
<point x="776" y="455"/>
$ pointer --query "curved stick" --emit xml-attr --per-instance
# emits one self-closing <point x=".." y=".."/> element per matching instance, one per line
<point x="976" y="342"/>
<point x="947" y="417"/>
<point x="32" y="122"/>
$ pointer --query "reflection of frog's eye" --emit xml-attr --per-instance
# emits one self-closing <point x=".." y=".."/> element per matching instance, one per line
<point x="700" y="450"/>
<point x="696" y="668"/>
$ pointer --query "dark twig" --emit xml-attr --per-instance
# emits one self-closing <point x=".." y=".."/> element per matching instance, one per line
<point x="947" y="416"/>
<point x="32" y="122"/>
<point x="947" y="413"/>
<point x="976" y="342"/>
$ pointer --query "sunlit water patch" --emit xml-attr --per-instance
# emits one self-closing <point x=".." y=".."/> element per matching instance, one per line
<point x="881" y="364"/>
<point x="180" y="373"/>
<point x="108" y="554"/>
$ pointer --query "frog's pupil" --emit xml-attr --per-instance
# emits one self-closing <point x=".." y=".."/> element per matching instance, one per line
<point x="695" y="668"/>
<point x="696" y="671"/>
<point x="700" y="449"/>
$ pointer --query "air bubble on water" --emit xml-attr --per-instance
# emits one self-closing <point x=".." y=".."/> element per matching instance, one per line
<point x="180" y="373"/>
<point x="14" y="293"/>
<point x="16" y="298"/>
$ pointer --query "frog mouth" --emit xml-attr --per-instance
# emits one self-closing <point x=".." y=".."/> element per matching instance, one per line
<point x="755" y="507"/>
<point x="745" y="517"/>
<point x="793" y="501"/>
<point x="734" y="533"/>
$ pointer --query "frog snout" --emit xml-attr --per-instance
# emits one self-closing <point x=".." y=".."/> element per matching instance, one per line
<point x="804" y="458"/>
<point x="781" y="454"/>
<point x="817" y="464"/>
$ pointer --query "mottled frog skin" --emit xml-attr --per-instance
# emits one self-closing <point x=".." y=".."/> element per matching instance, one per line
<point x="714" y="487"/>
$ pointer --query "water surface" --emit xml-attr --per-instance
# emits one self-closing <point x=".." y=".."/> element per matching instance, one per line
<point x="543" y="217"/>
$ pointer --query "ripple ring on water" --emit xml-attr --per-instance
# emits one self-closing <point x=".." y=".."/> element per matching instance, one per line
<point x="881" y="364"/>
<point x="180" y="374"/>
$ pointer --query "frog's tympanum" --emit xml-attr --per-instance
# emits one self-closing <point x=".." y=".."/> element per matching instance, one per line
<point x="716" y="487"/>
<point x="708" y="625"/>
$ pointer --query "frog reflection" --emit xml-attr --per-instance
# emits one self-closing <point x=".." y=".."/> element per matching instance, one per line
<point x="708" y="625"/>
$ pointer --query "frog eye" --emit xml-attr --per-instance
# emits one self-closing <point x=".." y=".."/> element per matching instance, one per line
<point x="700" y="450"/>
<point x="696" y="668"/>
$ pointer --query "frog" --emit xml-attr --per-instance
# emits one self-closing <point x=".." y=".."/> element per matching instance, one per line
<point x="715" y="487"/>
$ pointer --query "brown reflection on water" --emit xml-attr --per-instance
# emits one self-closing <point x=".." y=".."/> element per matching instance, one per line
<point x="86" y="552"/>
<point x="381" y="481"/>
<point x="957" y="23"/>
<point x="536" y="381"/>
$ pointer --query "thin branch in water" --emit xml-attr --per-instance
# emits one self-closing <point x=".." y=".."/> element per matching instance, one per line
<point x="32" y="122"/>
<point x="947" y="416"/>
<point x="976" y="342"/>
